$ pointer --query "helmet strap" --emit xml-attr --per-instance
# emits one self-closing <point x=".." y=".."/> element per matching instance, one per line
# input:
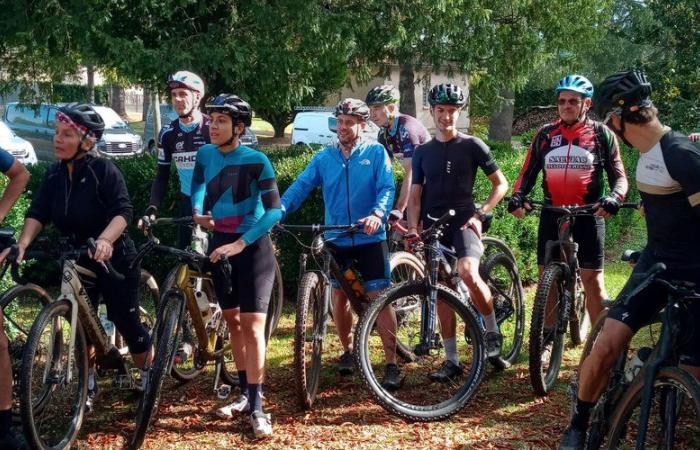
<point x="80" y="150"/>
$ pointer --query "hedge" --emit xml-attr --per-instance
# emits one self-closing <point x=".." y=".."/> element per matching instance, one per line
<point x="288" y="162"/>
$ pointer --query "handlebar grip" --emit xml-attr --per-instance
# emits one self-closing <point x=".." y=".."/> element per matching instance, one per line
<point x="106" y="265"/>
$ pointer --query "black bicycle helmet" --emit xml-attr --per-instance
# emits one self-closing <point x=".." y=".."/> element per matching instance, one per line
<point x="352" y="107"/>
<point x="447" y="94"/>
<point x="231" y="104"/>
<point x="382" y="95"/>
<point x="624" y="91"/>
<point x="83" y="117"/>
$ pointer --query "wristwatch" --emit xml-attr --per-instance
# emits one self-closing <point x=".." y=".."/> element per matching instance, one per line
<point x="480" y="212"/>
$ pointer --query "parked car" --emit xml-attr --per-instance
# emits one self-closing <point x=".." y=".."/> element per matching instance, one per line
<point x="168" y="114"/>
<point x="20" y="148"/>
<point x="36" y="123"/>
<point x="319" y="127"/>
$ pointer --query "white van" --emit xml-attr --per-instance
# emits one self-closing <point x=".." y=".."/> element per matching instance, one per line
<point x="318" y="127"/>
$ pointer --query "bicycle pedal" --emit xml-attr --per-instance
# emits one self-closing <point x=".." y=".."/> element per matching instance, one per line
<point x="123" y="382"/>
<point x="223" y="391"/>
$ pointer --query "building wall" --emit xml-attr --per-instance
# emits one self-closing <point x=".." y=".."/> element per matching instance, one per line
<point x="425" y="81"/>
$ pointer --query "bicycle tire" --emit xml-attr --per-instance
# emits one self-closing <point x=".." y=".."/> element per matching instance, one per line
<point x="274" y="309"/>
<point x="308" y="314"/>
<point x="414" y="412"/>
<point x="543" y="380"/>
<point x="149" y="297"/>
<point x="165" y="336"/>
<point x="673" y="377"/>
<point x="580" y="322"/>
<point x="229" y="377"/>
<point x="508" y="304"/>
<point x="28" y="413"/>
<point x="493" y="245"/>
<point x="592" y="336"/>
<point x="17" y="330"/>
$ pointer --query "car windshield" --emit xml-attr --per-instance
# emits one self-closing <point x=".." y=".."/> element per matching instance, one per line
<point x="5" y="132"/>
<point x="111" y="118"/>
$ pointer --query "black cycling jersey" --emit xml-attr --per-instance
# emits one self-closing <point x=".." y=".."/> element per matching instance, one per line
<point x="81" y="206"/>
<point x="447" y="171"/>
<point x="668" y="179"/>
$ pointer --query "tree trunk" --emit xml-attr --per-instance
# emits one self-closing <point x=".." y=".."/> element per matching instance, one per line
<point x="118" y="101"/>
<point x="279" y="121"/>
<point x="501" y="123"/>
<point x="90" y="83"/>
<point x="407" y="88"/>
<point x="146" y="103"/>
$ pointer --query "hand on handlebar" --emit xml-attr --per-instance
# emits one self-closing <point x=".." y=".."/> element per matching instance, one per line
<point x="227" y="250"/>
<point x="149" y="216"/>
<point x="607" y="206"/>
<point x="518" y="206"/>
<point x="205" y="221"/>
<point x="19" y="253"/>
<point x="103" y="250"/>
<point x="372" y="223"/>
<point x="695" y="137"/>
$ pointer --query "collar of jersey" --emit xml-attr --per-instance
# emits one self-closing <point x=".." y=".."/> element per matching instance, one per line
<point x="394" y="126"/>
<point x="198" y="118"/>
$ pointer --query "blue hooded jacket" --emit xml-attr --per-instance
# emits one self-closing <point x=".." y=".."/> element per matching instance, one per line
<point x="352" y="189"/>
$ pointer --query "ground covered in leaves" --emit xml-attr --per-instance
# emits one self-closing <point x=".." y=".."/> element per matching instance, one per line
<point x="504" y="415"/>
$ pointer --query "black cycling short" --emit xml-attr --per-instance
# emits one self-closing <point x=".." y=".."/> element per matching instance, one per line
<point x="252" y="274"/>
<point x="589" y="233"/>
<point x="643" y="308"/>
<point x="370" y="260"/>
<point x="120" y="297"/>
<point x="465" y="242"/>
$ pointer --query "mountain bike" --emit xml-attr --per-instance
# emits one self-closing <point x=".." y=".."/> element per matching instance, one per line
<point x="190" y="317"/>
<point x="314" y="305"/>
<point x="53" y="378"/>
<point x="420" y="398"/>
<point x="560" y="300"/>
<point x="649" y="402"/>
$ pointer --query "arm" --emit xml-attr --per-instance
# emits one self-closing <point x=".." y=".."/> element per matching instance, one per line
<point x="198" y="189"/>
<point x="683" y="164"/>
<point x="527" y="177"/>
<point x="617" y="178"/>
<point x="19" y="176"/>
<point x="402" y="202"/>
<point x="116" y="197"/>
<point x="385" y="183"/>
<point x="270" y="196"/>
<point x="499" y="187"/>
<point x="297" y="192"/>
<point x="417" y="179"/>
<point x="160" y="184"/>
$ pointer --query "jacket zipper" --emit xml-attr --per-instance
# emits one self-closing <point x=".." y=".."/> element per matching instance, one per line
<point x="69" y="189"/>
<point x="347" y="191"/>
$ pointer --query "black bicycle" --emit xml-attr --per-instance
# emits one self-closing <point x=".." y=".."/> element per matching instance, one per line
<point x="419" y="397"/>
<point x="314" y="306"/>
<point x="649" y="401"/>
<point x="560" y="300"/>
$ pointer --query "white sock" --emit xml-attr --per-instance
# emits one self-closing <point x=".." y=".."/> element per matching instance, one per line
<point x="91" y="379"/>
<point x="451" y="350"/>
<point x="491" y="324"/>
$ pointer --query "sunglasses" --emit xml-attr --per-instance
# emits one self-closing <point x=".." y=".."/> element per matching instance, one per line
<point x="571" y="101"/>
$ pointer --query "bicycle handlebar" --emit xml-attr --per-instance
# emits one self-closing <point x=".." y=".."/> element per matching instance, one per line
<point x="317" y="227"/>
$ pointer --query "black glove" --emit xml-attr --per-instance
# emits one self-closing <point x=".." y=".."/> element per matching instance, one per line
<point x="610" y="204"/>
<point x="150" y="211"/>
<point x="516" y="201"/>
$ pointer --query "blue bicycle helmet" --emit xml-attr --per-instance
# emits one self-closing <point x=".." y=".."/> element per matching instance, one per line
<point x="575" y="83"/>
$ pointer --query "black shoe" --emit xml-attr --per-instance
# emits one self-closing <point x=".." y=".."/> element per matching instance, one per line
<point x="11" y="442"/>
<point x="392" y="377"/>
<point x="494" y="342"/>
<point x="447" y="372"/>
<point x="572" y="439"/>
<point x="346" y="366"/>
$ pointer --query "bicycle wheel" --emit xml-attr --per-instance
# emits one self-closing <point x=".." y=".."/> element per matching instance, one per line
<point x="592" y="336"/>
<point x="547" y="330"/>
<point x="493" y="246"/>
<point x="149" y="296"/>
<point x="674" y="419"/>
<point x="420" y="398"/>
<point x="44" y="380"/>
<point x="229" y="372"/>
<point x="405" y="267"/>
<point x="165" y="344"/>
<point x="274" y="309"/>
<point x="20" y="306"/>
<point x="580" y="321"/>
<point x="186" y="365"/>
<point x="309" y="332"/>
<point x="500" y="274"/>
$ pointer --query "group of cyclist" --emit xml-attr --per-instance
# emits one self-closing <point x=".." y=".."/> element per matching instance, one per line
<point x="231" y="190"/>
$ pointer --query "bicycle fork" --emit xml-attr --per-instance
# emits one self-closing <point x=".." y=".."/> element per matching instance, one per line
<point x="428" y="337"/>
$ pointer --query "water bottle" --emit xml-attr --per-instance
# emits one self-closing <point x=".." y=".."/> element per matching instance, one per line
<point x="354" y="283"/>
<point x="636" y="363"/>
<point x="203" y="305"/>
<point x="106" y="323"/>
<point x="200" y="240"/>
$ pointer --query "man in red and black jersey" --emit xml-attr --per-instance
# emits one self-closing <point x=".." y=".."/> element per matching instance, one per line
<point x="574" y="153"/>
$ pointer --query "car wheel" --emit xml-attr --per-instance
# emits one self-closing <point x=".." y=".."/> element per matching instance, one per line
<point x="152" y="147"/>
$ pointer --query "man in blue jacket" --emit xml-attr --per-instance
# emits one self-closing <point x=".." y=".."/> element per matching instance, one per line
<point x="358" y="186"/>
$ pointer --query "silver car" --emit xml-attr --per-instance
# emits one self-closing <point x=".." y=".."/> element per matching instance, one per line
<point x="36" y="123"/>
<point x="18" y="147"/>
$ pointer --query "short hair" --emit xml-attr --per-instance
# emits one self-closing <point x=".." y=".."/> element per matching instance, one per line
<point x="641" y="116"/>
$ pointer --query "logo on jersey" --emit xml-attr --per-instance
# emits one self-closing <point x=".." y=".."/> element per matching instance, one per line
<point x="448" y="168"/>
<point x="185" y="160"/>
<point x="365" y="162"/>
<point x="556" y="141"/>
<point x="161" y="154"/>
<point x="179" y="146"/>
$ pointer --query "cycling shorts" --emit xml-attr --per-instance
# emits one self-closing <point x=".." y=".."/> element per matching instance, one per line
<point x="370" y="260"/>
<point x="588" y="232"/>
<point x="252" y="274"/>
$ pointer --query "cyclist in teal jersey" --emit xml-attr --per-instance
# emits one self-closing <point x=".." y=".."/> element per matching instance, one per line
<point x="242" y="193"/>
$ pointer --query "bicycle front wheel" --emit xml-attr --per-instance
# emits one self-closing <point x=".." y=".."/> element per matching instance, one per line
<point x="149" y="296"/>
<point x="424" y="394"/>
<point x="52" y="400"/>
<point x="674" y="418"/>
<point x="165" y="344"/>
<point x="274" y="309"/>
<point x="309" y="333"/>
<point x="501" y="275"/>
<point x="547" y="330"/>
<point x="580" y="321"/>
